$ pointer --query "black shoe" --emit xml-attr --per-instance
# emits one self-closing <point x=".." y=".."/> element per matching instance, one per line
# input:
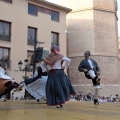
<point x="98" y="80"/>
<point x="60" y="106"/>
<point x="96" y="102"/>
<point x="5" y="100"/>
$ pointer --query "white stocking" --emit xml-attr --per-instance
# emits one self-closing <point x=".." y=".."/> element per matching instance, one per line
<point x="96" y="93"/>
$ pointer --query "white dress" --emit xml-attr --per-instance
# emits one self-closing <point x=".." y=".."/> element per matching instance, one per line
<point x="2" y="74"/>
<point x="37" y="88"/>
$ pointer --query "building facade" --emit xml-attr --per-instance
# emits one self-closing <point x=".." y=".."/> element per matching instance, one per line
<point x="119" y="45"/>
<point x="92" y="25"/>
<point x="22" y="22"/>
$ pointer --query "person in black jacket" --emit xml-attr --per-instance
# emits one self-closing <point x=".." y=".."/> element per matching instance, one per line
<point x="91" y="71"/>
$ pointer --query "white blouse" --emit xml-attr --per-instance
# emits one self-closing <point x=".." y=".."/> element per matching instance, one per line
<point x="57" y="65"/>
<point x="90" y="62"/>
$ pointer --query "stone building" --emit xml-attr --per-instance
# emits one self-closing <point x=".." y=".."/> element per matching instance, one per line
<point x="92" y="25"/>
<point x="119" y="46"/>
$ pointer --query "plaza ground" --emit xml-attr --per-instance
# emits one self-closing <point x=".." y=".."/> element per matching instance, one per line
<point x="73" y="110"/>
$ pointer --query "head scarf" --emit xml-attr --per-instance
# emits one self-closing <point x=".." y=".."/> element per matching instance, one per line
<point x="55" y="49"/>
<point x="54" y="56"/>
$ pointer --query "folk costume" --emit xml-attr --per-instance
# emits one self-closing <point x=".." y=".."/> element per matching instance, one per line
<point x="6" y="83"/>
<point x="58" y="86"/>
<point x="91" y="71"/>
<point x="36" y="85"/>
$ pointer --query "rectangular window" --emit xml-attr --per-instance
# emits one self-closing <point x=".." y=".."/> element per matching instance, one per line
<point x="5" y="57"/>
<point x="32" y="9"/>
<point x="31" y="35"/>
<point x="10" y="1"/>
<point x="40" y="9"/>
<point x="54" y="38"/>
<point x="54" y="15"/>
<point x="30" y="56"/>
<point x="5" y="29"/>
<point x="45" y="54"/>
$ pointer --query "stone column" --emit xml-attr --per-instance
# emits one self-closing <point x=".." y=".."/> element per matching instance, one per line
<point x="92" y="25"/>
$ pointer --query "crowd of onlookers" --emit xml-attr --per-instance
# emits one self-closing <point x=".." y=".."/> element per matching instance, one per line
<point x="90" y="97"/>
<point x="85" y="97"/>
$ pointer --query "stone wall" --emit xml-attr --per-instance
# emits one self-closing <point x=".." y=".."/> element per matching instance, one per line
<point x="105" y="33"/>
<point x="104" y="4"/>
<point x="110" y="80"/>
<point x="92" y="25"/>
<point x="81" y="37"/>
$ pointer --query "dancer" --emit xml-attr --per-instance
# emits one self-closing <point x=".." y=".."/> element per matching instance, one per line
<point x="58" y="86"/>
<point x="6" y="83"/>
<point x="3" y="98"/>
<point x="36" y="85"/>
<point x="92" y="71"/>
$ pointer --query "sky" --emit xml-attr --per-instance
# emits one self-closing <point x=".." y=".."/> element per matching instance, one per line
<point x="118" y="13"/>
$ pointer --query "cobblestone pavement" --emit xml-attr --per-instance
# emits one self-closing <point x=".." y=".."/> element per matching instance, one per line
<point x="73" y="110"/>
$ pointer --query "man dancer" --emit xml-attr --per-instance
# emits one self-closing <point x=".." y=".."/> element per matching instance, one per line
<point x="92" y="71"/>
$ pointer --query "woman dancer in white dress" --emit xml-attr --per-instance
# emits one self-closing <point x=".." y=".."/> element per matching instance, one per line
<point x="36" y="85"/>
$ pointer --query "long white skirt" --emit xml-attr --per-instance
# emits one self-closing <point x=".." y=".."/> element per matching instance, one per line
<point x="37" y="88"/>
